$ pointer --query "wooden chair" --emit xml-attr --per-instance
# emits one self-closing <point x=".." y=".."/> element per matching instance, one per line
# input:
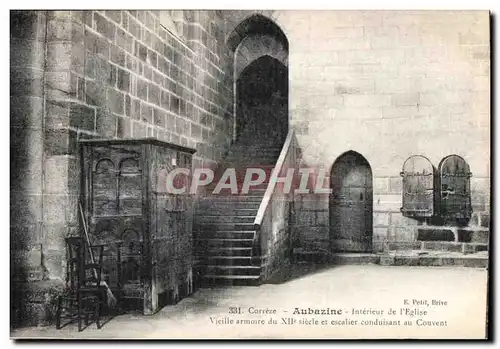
<point x="84" y="295"/>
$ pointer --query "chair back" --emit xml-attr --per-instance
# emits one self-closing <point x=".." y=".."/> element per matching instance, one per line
<point x="91" y="271"/>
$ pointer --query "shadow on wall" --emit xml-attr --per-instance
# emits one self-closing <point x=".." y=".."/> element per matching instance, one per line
<point x="261" y="78"/>
<point x="262" y="100"/>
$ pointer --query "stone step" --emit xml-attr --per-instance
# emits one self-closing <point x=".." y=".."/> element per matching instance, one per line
<point x="215" y="243"/>
<point x="234" y="270"/>
<point x="252" y="145"/>
<point x="477" y="260"/>
<point x="218" y="197"/>
<point x="269" y="158"/>
<point x="245" y="154"/>
<point x="224" y="219"/>
<point x="230" y="251"/>
<point x="227" y="204"/>
<point x="228" y="194"/>
<point x="354" y="258"/>
<point x="240" y="174"/>
<point x="451" y="246"/>
<point x="393" y="258"/>
<point x="252" y="190"/>
<point x="249" y="149"/>
<point x="335" y="258"/>
<point x="254" y="153"/>
<point x="445" y="246"/>
<point x="214" y="276"/>
<point x="231" y="199"/>
<point x="229" y="211"/>
<point x="224" y="226"/>
<point x="227" y="234"/>
<point x="231" y="260"/>
<point x="251" y="161"/>
<point x="213" y="280"/>
<point x="258" y="190"/>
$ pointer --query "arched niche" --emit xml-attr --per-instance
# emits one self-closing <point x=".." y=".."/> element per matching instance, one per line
<point x="104" y="187"/>
<point x="130" y="184"/>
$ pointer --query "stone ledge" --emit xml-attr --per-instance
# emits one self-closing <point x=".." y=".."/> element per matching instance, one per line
<point x="443" y="246"/>
<point x="435" y="259"/>
<point x="393" y="258"/>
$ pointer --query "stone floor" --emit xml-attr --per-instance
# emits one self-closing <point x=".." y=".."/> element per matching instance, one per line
<point x="312" y="286"/>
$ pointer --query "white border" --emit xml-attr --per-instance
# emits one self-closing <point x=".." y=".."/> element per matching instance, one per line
<point x="192" y="4"/>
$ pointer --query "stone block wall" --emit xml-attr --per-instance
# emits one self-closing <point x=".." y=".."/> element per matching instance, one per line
<point x="276" y="239"/>
<point x="104" y="74"/>
<point x="27" y="230"/>
<point x="388" y="85"/>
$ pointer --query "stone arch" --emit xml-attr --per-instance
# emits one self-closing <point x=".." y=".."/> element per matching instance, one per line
<point x="254" y="37"/>
<point x="257" y="40"/>
<point x="253" y="47"/>
<point x="254" y="23"/>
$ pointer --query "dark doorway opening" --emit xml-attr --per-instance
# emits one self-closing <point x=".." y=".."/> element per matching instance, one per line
<point x="262" y="100"/>
<point x="351" y="204"/>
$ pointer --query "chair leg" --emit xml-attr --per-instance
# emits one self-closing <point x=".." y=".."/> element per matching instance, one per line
<point x="80" y="306"/>
<point x="58" y="312"/>
<point x="97" y="315"/>
<point x="100" y="300"/>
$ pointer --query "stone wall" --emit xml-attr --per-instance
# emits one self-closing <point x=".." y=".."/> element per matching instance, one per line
<point x="388" y="85"/>
<point x="104" y="74"/>
<point x="27" y="230"/>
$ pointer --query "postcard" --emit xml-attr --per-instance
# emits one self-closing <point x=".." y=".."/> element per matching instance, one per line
<point x="249" y="174"/>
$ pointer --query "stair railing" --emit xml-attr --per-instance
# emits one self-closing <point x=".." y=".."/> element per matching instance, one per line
<point x="271" y="224"/>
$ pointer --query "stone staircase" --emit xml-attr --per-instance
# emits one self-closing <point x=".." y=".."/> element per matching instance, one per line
<point x="224" y="233"/>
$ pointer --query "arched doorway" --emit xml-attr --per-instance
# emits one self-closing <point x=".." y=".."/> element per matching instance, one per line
<point x="351" y="204"/>
<point x="262" y="100"/>
<point x="260" y="81"/>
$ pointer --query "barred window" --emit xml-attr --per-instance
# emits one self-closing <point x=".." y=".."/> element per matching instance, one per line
<point x="455" y="199"/>
<point x="418" y="187"/>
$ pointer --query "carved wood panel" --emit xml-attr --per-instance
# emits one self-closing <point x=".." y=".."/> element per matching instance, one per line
<point x="455" y="199"/>
<point x="116" y="195"/>
<point x="418" y="187"/>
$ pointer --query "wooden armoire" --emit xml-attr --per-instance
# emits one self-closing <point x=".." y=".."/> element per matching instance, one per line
<point x="147" y="230"/>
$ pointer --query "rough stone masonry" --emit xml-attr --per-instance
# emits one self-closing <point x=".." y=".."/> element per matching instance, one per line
<point x="386" y="85"/>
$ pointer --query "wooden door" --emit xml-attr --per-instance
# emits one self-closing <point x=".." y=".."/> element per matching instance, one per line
<point x="351" y="204"/>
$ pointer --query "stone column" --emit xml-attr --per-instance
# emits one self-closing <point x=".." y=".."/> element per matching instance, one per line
<point x="47" y="115"/>
<point x="66" y="119"/>
<point x="27" y="49"/>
